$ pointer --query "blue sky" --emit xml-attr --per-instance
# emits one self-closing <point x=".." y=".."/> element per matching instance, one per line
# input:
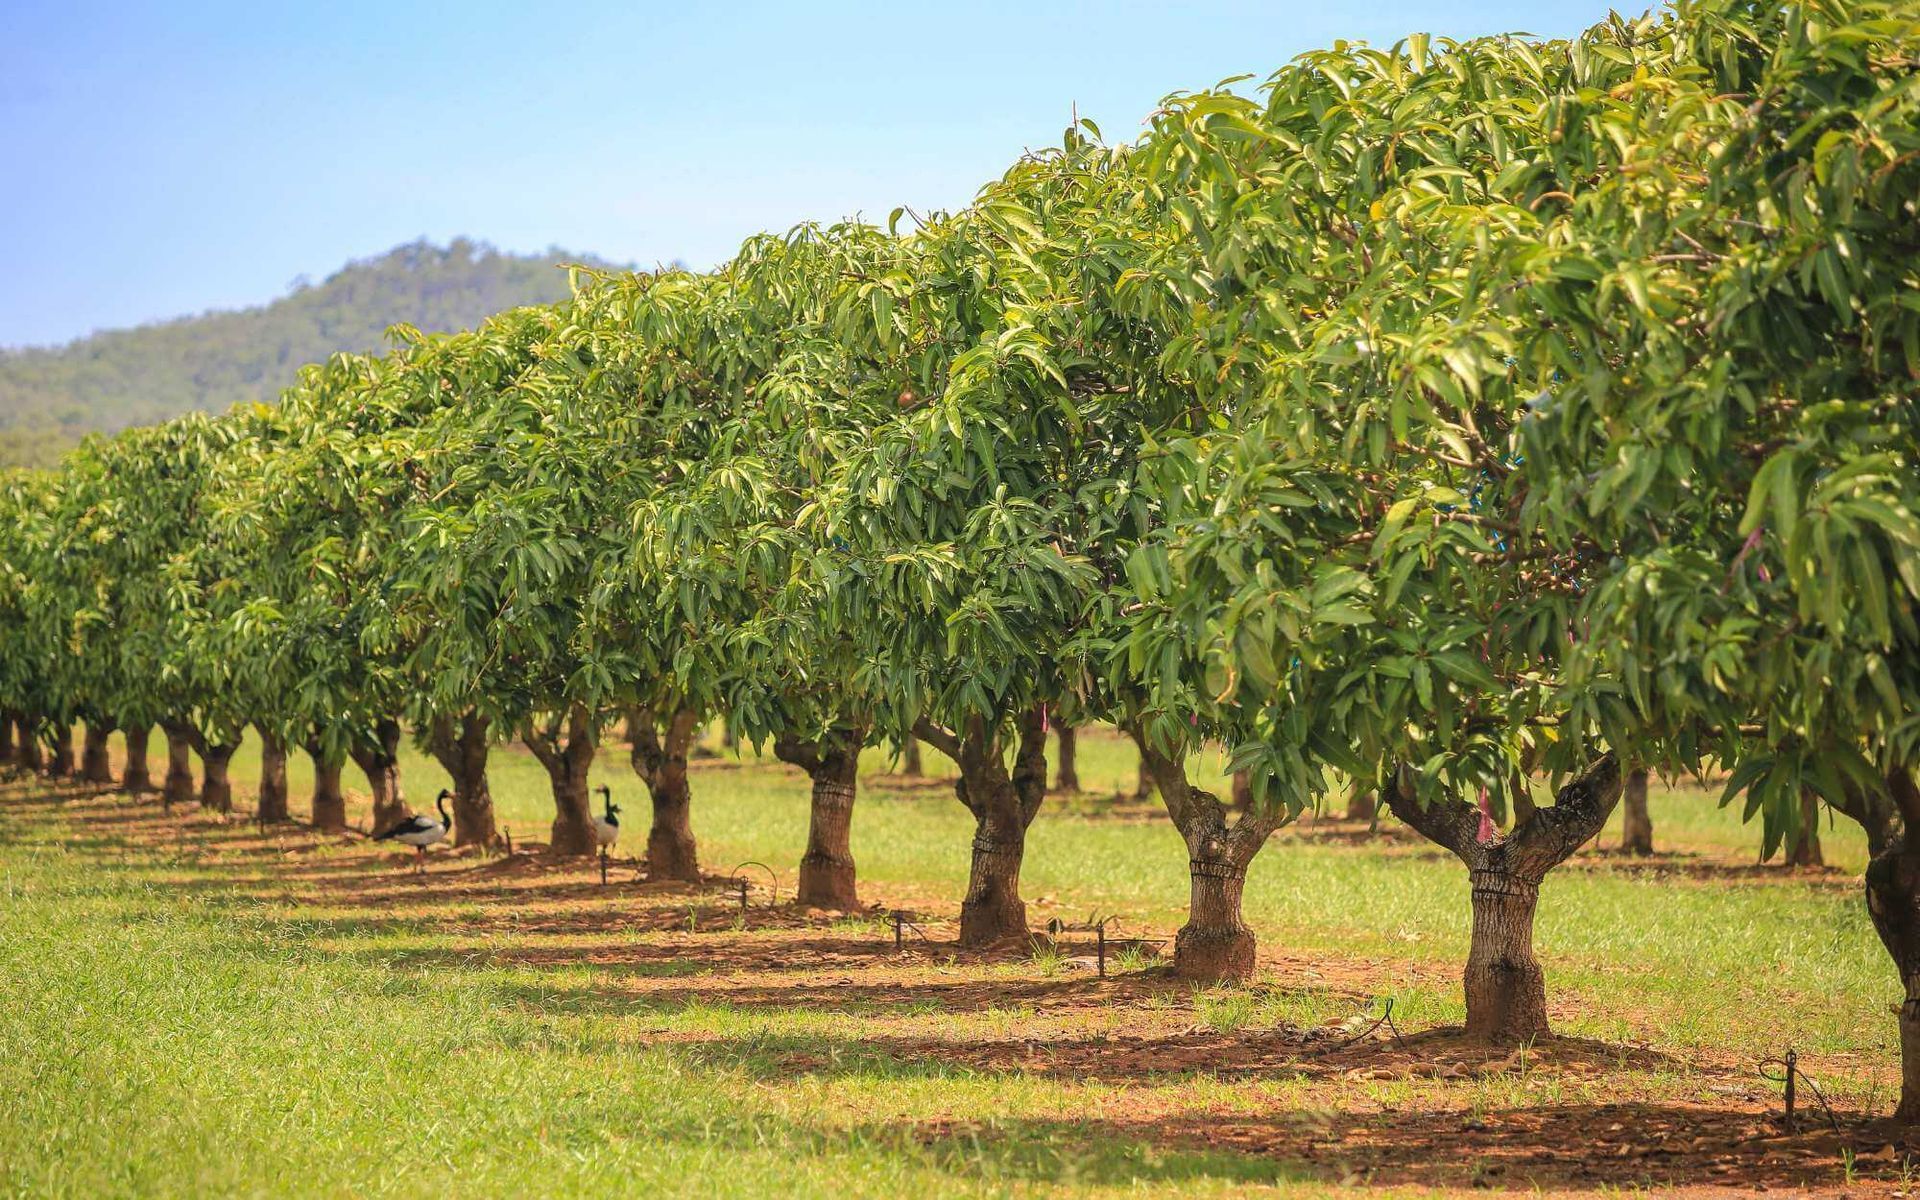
<point x="169" y="158"/>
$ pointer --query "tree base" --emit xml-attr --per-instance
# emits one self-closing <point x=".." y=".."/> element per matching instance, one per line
<point x="672" y="857"/>
<point x="1213" y="955"/>
<point x="569" y="838"/>
<point x="827" y="884"/>
<point x="988" y="923"/>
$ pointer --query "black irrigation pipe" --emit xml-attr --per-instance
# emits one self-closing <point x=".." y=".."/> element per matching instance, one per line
<point x="1790" y="1071"/>
<point x="740" y="881"/>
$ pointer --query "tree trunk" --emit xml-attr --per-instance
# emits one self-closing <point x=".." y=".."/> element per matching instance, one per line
<point x="1636" y="824"/>
<point x="833" y="764"/>
<point x="272" y="804"/>
<point x="910" y="763"/>
<point x="329" y="802"/>
<point x="1805" y="851"/>
<point x="1003" y="805"/>
<point x="216" y="789"/>
<point x="1505" y="988"/>
<point x="178" y="787"/>
<point x="134" y="777"/>
<point x="33" y="755"/>
<point x="1215" y="944"/>
<point x="60" y="761"/>
<point x="567" y="754"/>
<point x="661" y="763"/>
<point x="463" y="751"/>
<point x="1143" y="783"/>
<point x="379" y="759"/>
<point x="1893" y="901"/>
<point x="1361" y="805"/>
<point x="1242" y="791"/>
<point x="1067" y="773"/>
<point x="9" y="756"/>
<point x="96" y="765"/>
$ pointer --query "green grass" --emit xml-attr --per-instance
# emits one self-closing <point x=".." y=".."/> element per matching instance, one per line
<point x="182" y="1016"/>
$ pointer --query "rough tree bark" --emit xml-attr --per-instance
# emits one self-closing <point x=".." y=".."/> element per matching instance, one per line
<point x="1805" y="850"/>
<point x="1893" y="901"/>
<point x="1506" y="989"/>
<point x="1215" y="943"/>
<point x="379" y="758"/>
<point x="1876" y="813"/>
<point x="565" y="745"/>
<point x="659" y="758"/>
<point x="1067" y="772"/>
<point x="272" y="803"/>
<point x="96" y="764"/>
<point x="216" y="787"/>
<point x="910" y="763"/>
<point x="177" y="788"/>
<point x="1636" y="824"/>
<point x="329" y="801"/>
<point x="1003" y="804"/>
<point x="833" y="764"/>
<point x="60" y="756"/>
<point x="135" y="777"/>
<point x="462" y="748"/>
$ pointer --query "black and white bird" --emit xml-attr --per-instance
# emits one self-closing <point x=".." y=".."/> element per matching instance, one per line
<point x="421" y="832"/>
<point x="606" y="827"/>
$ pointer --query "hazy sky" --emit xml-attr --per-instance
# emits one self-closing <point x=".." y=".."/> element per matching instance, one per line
<point x="162" y="159"/>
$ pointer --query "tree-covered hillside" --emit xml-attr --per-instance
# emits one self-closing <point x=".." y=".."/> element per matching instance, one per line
<point x="50" y="398"/>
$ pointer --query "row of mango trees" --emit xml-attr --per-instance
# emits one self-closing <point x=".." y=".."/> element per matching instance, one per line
<point x="1445" y="418"/>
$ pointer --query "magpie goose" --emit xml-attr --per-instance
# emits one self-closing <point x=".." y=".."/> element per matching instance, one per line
<point x="421" y="832"/>
<point x="606" y="828"/>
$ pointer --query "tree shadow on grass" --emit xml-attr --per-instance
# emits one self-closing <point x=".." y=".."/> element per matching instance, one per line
<point x="1551" y="1147"/>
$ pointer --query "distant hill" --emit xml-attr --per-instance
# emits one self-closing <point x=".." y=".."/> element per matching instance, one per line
<point x="51" y="398"/>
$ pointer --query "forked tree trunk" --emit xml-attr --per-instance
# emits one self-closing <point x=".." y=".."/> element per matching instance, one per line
<point x="833" y="766"/>
<point x="1003" y="805"/>
<point x="271" y="807"/>
<point x="96" y="763"/>
<point x="910" y="763"/>
<point x="216" y="788"/>
<point x="566" y="751"/>
<point x="177" y="788"/>
<point x="1636" y="824"/>
<point x="1805" y="850"/>
<point x="1505" y="987"/>
<point x="1893" y="901"/>
<point x="134" y="777"/>
<point x="60" y="758"/>
<point x="463" y="749"/>
<point x="379" y="759"/>
<point x="329" y="801"/>
<point x="660" y="759"/>
<point x="1067" y="771"/>
<point x="1215" y="944"/>
<point x="1361" y="805"/>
